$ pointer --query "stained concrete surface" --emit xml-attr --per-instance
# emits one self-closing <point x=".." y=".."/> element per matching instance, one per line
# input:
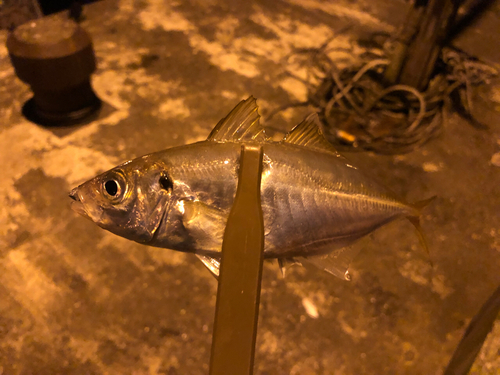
<point x="75" y="299"/>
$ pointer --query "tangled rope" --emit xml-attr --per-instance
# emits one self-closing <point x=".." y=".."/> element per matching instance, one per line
<point x="358" y="111"/>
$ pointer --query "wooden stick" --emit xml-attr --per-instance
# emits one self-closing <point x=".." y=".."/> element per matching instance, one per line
<point x="238" y="294"/>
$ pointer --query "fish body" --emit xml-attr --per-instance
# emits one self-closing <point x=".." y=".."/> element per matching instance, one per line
<point x="314" y="202"/>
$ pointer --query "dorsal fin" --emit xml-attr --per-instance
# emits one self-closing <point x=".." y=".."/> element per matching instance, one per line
<point x="307" y="134"/>
<point x="241" y="124"/>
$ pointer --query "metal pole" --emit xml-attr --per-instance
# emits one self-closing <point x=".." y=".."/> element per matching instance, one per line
<point x="238" y="294"/>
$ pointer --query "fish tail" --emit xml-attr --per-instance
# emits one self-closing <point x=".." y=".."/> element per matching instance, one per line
<point x="420" y="205"/>
<point x="415" y="220"/>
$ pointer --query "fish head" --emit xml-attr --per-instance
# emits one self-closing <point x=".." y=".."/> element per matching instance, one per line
<point x="129" y="200"/>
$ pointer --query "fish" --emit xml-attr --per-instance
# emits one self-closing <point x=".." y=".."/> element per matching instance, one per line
<point x="315" y="203"/>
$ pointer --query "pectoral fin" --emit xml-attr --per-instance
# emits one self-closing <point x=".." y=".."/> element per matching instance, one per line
<point x="205" y="224"/>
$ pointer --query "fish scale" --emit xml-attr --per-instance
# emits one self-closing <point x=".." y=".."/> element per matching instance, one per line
<point x="330" y="211"/>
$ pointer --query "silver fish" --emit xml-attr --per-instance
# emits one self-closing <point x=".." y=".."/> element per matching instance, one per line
<point x="315" y="203"/>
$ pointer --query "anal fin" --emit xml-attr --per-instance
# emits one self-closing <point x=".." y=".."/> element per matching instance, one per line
<point x="325" y="263"/>
<point x="336" y="262"/>
<point x="286" y="263"/>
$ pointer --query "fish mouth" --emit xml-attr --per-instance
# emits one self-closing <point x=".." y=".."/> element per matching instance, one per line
<point x="77" y="204"/>
<point x="73" y="194"/>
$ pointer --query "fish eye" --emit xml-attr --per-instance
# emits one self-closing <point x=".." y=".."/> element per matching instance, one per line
<point x="111" y="187"/>
<point x="114" y="187"/>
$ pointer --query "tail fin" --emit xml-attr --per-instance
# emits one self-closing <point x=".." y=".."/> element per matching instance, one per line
<point x="420" y="205"/>
<point x="415" y="220"/>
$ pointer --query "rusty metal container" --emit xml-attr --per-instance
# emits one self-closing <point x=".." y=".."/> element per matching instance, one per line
<point x="55" y="56"/>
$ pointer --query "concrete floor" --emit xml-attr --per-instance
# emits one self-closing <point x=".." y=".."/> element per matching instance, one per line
<point x="75" y="299"/>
